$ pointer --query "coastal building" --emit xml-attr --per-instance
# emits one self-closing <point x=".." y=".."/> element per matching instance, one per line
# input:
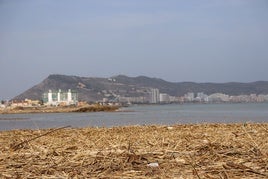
<point x="164" y="98"/>
<point x="154" y="95"/>
<point x="129" y="100"/>
<point x="262" y="98"/>
<point x="189" y="97"/>
<point x="24" y="103"/>
<point x="218" y="97"/>
<point x="60" y="97"/>
<point x="18" y="103"/>
<point x="201" y="97"/>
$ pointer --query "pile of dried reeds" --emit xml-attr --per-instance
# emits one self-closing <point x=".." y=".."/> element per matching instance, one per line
<point x="180" y="151"/>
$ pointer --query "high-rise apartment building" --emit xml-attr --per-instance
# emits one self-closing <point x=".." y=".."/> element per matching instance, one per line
<point x="154" y="95"/>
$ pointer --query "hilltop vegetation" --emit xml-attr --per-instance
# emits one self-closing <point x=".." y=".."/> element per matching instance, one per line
<point x="93" y="89"/>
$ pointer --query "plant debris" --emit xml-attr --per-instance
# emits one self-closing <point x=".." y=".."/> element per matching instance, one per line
<point x="178" y="151"/>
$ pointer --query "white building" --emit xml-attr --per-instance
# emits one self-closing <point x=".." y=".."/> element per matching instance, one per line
<point x="218" y="97"/>
<point x="164" y="98"/>
<point x="202" y="97"/>
<point x="189" y="97"/>
<point x="56" y="98"/>
<point x="154" y="95"/>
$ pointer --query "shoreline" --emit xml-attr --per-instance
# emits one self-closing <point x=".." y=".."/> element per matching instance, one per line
<point x="59" y="109"/>
<point x="216" y="150"/>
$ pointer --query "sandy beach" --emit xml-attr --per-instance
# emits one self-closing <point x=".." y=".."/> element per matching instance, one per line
<point x="179" y="151"/>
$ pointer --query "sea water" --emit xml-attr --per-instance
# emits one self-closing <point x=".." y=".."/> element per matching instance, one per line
<point x="142" y="115"/>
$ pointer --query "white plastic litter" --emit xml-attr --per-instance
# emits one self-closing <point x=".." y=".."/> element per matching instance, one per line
<point x="170" y="128"/>
<point x="155" y="164"/>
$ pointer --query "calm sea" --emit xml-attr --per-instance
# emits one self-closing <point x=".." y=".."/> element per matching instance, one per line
<point x="142" y="115"/>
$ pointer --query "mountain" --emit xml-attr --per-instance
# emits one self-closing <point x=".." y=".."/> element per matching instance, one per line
<point x="93" y="89"/>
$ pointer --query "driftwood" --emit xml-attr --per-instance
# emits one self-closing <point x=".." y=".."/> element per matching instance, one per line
<point x="180" y="151"/>
<point x="20" y="145"/>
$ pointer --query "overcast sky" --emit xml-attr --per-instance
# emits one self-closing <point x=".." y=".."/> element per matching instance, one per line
<point x="176" y="40"/>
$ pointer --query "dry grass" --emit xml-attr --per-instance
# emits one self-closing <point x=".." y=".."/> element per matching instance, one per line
<point x="181" y="151"/>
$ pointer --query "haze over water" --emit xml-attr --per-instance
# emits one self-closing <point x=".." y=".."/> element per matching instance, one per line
<point x="142" y="115"/>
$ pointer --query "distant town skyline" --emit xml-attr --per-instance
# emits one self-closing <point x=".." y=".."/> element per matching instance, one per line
<point x="199" y="41"/>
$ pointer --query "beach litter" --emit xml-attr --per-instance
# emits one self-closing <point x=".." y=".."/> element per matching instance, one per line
<point x="155" y="164"/>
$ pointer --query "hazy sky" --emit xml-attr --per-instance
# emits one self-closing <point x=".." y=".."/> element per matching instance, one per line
<point x="176" y="40"/>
